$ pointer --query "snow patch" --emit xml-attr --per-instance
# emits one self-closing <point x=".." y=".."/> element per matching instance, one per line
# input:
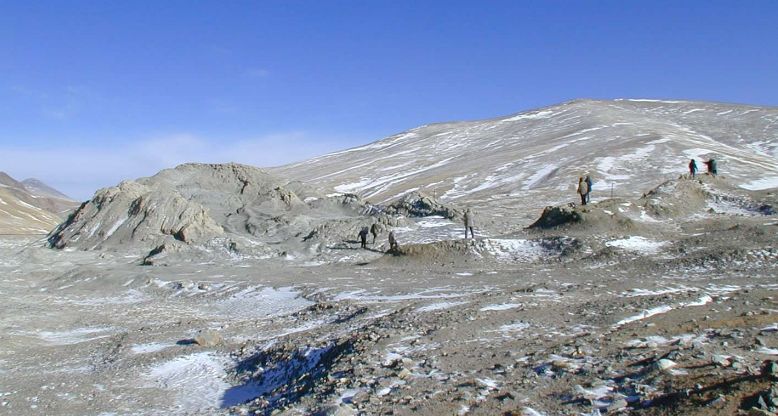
<point x="638" y="244"/>
<point x="515" y="250"/>
<point x="150" y="347"/>
<point x="439" y="306"/>
<point x="761" y="184"/>
<point x="75" y="336"/>
<point x="197" y="380"/>
<point x="500" y="307"/>
<point x="530" y="116"/>
<point x="251" y="303"/>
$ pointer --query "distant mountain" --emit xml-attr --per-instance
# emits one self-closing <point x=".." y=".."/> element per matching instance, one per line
<point x="40" y="189"/>
<point x="30" y="207"/>
<point x="9" y="182"/>
<point x="529" y="160"/>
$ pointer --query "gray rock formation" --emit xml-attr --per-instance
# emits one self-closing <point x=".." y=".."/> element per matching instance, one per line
<point x="134" y="212"/>
<point x="417" y="204"/>
<point x="234" y="208"/>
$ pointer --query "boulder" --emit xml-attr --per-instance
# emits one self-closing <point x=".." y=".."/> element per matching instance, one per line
<point x="208" y="338"/>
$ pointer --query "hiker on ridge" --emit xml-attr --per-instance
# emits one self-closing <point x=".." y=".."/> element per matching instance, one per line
<point x="588" y="181"/>
<point x="393" y="246"/>
<point x="711" y="164"/>
<point x="469" y="223"/>
<point x="363" y="237"/>
<point x="692" y="168"/>
<point x="583" y="189"/>
<point x="375" y="229"/>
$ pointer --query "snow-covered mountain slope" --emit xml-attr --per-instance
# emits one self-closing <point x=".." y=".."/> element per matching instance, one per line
<point x="25" y="210"/>
<point x="534" y="159"/>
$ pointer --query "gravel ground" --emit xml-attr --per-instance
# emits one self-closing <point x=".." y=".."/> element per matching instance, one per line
<point x="681" y="319"/>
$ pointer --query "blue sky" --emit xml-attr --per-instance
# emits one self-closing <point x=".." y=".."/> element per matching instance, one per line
<point x="95" y="92"/>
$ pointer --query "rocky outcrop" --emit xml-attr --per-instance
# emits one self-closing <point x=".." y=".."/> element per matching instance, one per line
<point x="557" y="216"/>
<point x="684" y="197"/>
<point x="601" y="217"/>
<point x="417" y="204"/>
<point x="195" y="205"/>
<point x="132" y="213"/>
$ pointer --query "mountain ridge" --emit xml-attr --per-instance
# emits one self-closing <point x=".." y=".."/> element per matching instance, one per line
<point x="32" y="207"/>
<point x="629" y="144"/>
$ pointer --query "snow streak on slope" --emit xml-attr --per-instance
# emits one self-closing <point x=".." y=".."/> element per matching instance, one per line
<point x="533" y="159"/>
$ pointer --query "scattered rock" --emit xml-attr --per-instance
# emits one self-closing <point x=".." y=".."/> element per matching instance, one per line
<point x="617" y="405"/>
<point x="721" y="360"/>
<point x="665" y="364"/>
<point x="208" y="338"/>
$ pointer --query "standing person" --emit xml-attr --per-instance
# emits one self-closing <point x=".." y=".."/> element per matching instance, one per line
<point x="393" y="246"/>
<point x="692" y="168"/>
<point x="583" y="189"/>
<point x="375" y="229"/>
<point x="588" y="181"/>
<point x="363" y="237"/>
<point x="469" y="223"/>
<point x="711" y="164"/>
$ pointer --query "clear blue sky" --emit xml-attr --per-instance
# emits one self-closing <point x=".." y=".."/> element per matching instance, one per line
<point x="94" y="92"/>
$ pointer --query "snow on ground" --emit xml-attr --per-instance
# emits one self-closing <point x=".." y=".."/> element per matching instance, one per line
<point x="621" y="167"/>
<point x="656" y="292"/>
<point x="439" y="306"/>
<point x="433" y="221"/>
<point x="428" y="230"/>
<point x="197" y="380"/>
<point x="433" y="293"/>
<point x="538" y="176"/>
<point x="762" y="183"/>
<point x="150" y="347"/>
<point x="514" y="327"/>
<point x="637" y="244"/>
<point x="75" y="336"/>
<point x="530" y="116"/>
<point x="662" y="309"/>
<point x="129" y="297"/>
<point x="254" y="303"/>
<point x="500" y="307"/>
<point x="513" y="250"/>
<point x="654" y="341"/>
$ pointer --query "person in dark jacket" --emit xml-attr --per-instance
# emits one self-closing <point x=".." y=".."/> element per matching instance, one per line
<point x="588" y="181"/>
<point x="583" y="189"/>
<point x="393" y="246"/>
<point x="375" y="229"/>
<point x="363" y="237"/>
<point x="692" y="168"/>
<point x="711" y="164"/>
<point x="469" y="223"/>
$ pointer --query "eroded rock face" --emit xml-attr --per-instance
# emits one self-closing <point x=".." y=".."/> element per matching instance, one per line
<point x="196" y="204"/>
<point x="134" y="213"/>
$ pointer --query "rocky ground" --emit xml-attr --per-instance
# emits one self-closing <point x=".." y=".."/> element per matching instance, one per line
<point x="663" y="305"/>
